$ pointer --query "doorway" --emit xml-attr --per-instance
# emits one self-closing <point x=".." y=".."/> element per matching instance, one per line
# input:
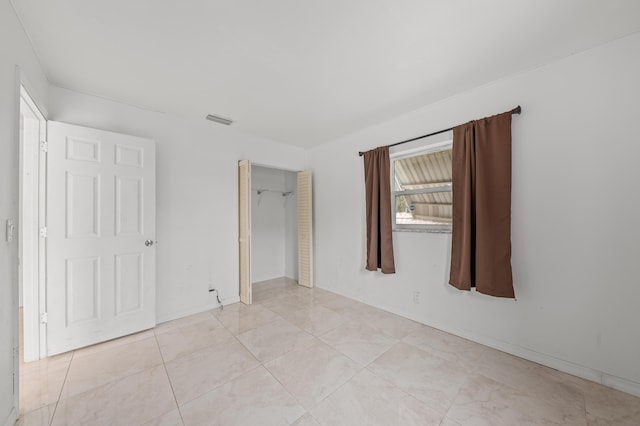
<point x="33" y="128"/>
<point x="88" y="196"/>
<point x="275" y="228"/>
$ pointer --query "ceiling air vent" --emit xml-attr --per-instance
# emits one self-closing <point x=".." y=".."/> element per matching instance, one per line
<point x="219" y="119"/>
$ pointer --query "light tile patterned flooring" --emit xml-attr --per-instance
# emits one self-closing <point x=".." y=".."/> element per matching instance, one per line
<point x="306" y="357"/>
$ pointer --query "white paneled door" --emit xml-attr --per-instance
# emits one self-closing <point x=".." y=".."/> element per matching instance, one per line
<point x="100" y="236"/>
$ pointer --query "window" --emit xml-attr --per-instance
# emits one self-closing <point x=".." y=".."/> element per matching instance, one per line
<point x="421" y="187"/>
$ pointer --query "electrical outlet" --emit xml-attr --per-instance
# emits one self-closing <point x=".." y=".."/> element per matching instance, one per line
<point x="416" y="297"/>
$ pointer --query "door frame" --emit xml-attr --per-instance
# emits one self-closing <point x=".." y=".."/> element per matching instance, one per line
<point x="21" y="81"/>
<point x="240" y="269"/>
<point x="34" y="291"/>
<point x="244" y="232"/>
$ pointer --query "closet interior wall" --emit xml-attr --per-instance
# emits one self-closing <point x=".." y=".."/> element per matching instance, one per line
<point x="273" y="224"/>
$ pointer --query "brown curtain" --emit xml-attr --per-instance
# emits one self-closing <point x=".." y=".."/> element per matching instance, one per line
<point x="481" y="241"/>
<point x="378" y="194"/>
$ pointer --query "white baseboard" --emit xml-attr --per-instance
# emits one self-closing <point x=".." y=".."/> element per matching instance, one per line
<point x="568" y="367"/>
<point x="195" y="310"/>
<point x="231" y="300"/>
<point x="11" y="419"/>
<point x="621" y="384"/>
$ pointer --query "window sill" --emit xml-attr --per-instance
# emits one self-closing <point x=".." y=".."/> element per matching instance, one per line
<point x="423" y="230"/>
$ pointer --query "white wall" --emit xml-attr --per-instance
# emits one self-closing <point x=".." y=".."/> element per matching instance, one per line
<point x="197" y="225"/>
<point x="267" y="224"/>
<point x="575" y="233"/>
<point x="16" y="50"/>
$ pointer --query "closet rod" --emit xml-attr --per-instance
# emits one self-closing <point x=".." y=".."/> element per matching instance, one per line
<point x="516" y="110"/>
<point x="284" y="193"/>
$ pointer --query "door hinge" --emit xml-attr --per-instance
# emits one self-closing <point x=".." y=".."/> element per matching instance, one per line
<point x="44" y="146"/>
<point x="43" y="232"/>
<point x="44" y="318"/>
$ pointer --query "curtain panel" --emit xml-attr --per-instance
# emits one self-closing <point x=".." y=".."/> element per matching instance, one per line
<point x="481" y="240"/>
<point x="378" y="206"/>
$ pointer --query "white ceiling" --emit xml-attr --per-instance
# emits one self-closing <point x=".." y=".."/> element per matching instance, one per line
<point x="302" y="71"/>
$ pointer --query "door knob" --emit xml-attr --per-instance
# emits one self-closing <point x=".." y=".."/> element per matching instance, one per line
<point x="148" y="243"/>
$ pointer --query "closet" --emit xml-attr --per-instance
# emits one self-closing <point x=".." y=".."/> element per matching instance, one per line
<point x="274" y="227"/>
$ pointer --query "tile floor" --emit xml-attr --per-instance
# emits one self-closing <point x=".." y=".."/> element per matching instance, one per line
<point x="306" y="357"/>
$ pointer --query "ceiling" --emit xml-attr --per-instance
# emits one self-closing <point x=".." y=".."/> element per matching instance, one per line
<point x="304" y="72"/>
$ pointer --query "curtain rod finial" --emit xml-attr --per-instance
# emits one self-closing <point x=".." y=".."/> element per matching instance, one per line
<point x="517" y="110"/>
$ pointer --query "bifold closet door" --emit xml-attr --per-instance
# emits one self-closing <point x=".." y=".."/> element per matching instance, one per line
<point x="305" y="229"/>
<point x="244" y="229"/>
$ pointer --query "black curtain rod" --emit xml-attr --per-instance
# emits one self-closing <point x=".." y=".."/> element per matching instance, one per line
<point x="516" y="110"/>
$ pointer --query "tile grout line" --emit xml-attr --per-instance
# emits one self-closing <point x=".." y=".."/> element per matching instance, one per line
<point x="246" y="348"/>
<point x="267" y="323"/>
<point x="64" y="382"/>
<point x="326" y="396"/>
<point x="337" y="389"/>
<point x="401" y="341"/>
<point x="111" y="379"/>
<point x="317" y="338"/>
<point x="219" y="385"/>
<point x="453" y="401"/>
<point x="262" y="364"/>
<point x="584" y="399"/>
<point x="164" y="365"/>
<point x="286" y="390"/>
<point x="235" y="336"/>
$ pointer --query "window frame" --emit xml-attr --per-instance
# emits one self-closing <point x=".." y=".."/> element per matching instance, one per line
<point x="424" y="148"/>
